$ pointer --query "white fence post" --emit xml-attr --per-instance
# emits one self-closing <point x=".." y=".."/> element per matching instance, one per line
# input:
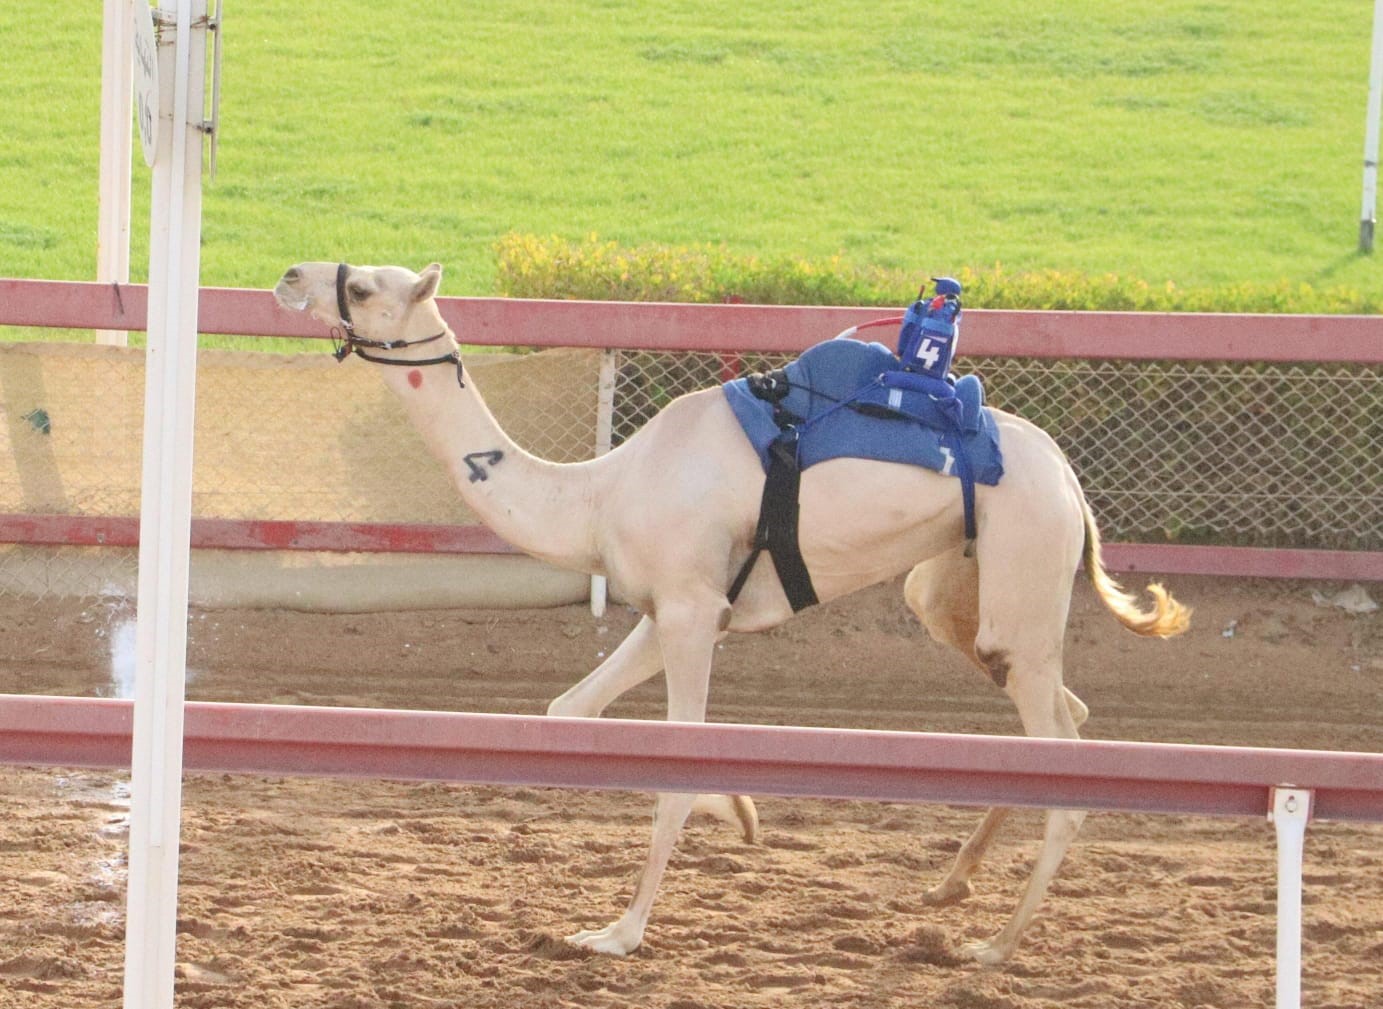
<point x="165" y="511"/>
<point x="1291" y="809"/>
<point x="604" y="437"/>
<point x="1368" y="212"/>
<point x="113" y="206"/>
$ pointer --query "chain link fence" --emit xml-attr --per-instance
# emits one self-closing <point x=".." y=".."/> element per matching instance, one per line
<point x="1232" y="453"/>
<point x="1241" y="453"/>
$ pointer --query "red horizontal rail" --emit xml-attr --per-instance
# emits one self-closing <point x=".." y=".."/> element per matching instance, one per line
<point x="1244" y="562"/>
<point x="988" y="333"/>
<point x="259" y="534"/>
<point x="420" y="538"/>
<point x="748" y="759"/>
<point x="730" y="328"/>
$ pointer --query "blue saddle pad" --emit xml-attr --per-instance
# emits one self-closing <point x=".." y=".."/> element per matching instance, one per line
<point x="838" y="388"/>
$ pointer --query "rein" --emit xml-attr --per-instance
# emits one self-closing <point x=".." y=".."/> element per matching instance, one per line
<point x="349" y="342"/>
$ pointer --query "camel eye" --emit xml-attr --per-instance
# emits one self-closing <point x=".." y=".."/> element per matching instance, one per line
<point x="358" y="292"/>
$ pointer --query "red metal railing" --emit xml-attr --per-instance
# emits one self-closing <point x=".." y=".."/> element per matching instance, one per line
<point x="750" y="759"/>
<point x="729" y="328"/>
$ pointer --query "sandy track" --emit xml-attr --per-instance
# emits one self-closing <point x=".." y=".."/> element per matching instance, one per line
<point x="307" y="893"/>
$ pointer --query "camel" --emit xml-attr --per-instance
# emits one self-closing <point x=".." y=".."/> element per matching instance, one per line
<point x="669" y="516"/>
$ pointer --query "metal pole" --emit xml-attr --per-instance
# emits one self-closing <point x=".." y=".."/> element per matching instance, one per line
<point x="113" y="208"/>
<point x="1291" y="809"/>
<point x="165" y="514"/>
<point x="1368" y="213"/>
<point x="604" y="437"/>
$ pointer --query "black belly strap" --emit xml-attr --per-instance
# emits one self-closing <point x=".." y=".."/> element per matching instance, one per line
<point x="777" y="530"/>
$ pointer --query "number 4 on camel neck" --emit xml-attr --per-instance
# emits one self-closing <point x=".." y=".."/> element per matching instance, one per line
<point x="478" y="472"/>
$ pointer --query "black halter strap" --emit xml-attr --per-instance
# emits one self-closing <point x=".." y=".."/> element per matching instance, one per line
<point x="352" y="343"/>
<point x="343" y="310"/>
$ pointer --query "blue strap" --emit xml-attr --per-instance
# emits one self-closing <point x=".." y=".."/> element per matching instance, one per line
<point x="840" y="404"/>
<point x="965" y="473"/>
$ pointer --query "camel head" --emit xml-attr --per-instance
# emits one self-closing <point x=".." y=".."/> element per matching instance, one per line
<point x="383" y="307"/>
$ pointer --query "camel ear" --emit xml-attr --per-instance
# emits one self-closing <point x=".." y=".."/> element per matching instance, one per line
<point x="428" y="282"/>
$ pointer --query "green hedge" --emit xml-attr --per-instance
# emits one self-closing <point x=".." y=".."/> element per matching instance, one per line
<point x="531" y="266"/>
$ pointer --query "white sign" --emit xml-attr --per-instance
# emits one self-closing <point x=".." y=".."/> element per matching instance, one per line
<point x="147" y="112"/>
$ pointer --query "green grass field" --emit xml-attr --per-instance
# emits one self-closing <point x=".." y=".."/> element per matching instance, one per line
<point x="1191" y="141"/>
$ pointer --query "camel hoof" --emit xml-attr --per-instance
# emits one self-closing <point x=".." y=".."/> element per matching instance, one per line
<point x="562" y="707"/>
<point x="736" y="810"/>
<point x="947" y="893"/>
<point x="986" y="952"/>
<point x="748" y="817"/>
<point x="605" y="940"/>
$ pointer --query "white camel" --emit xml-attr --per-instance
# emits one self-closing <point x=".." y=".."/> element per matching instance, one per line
<point x="669" y="516"/>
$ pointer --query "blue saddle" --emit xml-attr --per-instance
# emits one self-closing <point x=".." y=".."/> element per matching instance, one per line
<point x="848" y="398"/>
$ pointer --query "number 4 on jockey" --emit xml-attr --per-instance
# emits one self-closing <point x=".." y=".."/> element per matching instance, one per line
<point x="927" y="338"/>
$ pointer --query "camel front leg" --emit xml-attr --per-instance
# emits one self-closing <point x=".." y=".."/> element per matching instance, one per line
<point x="624" y="935"/>
<point x="638" y="658"/>
<point x="687" y="634"/>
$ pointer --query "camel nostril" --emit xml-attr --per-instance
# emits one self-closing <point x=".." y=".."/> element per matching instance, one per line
<point x="292" y="274"/>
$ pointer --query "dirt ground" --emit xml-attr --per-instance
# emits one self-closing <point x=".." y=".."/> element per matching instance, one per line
<point x="363" y="894"/>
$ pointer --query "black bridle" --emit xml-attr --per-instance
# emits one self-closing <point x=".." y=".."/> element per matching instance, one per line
<point x="350" y="342"/>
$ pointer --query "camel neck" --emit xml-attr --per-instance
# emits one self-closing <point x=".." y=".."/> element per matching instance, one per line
<point x="544" y="508"/>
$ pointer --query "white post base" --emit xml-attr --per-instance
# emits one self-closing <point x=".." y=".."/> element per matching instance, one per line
<point x="604" y="438"/>
<point x="1291" y="810"/>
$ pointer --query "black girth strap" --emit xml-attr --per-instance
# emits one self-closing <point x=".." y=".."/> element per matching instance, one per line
<point x="777" y="530"/>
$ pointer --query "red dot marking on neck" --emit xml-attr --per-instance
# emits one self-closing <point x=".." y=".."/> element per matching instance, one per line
<point x="415" y="378"/>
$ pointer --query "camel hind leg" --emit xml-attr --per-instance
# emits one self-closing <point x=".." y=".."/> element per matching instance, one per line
<point x="1027" y="558"/>
<point x="944" y="593"/>
<point x="1044" y="713"/>
<point x="955" y="887"/>
<point x="1015" y="639"/>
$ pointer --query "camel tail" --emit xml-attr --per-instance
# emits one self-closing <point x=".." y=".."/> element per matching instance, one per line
<point x="1166" y="619"/>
